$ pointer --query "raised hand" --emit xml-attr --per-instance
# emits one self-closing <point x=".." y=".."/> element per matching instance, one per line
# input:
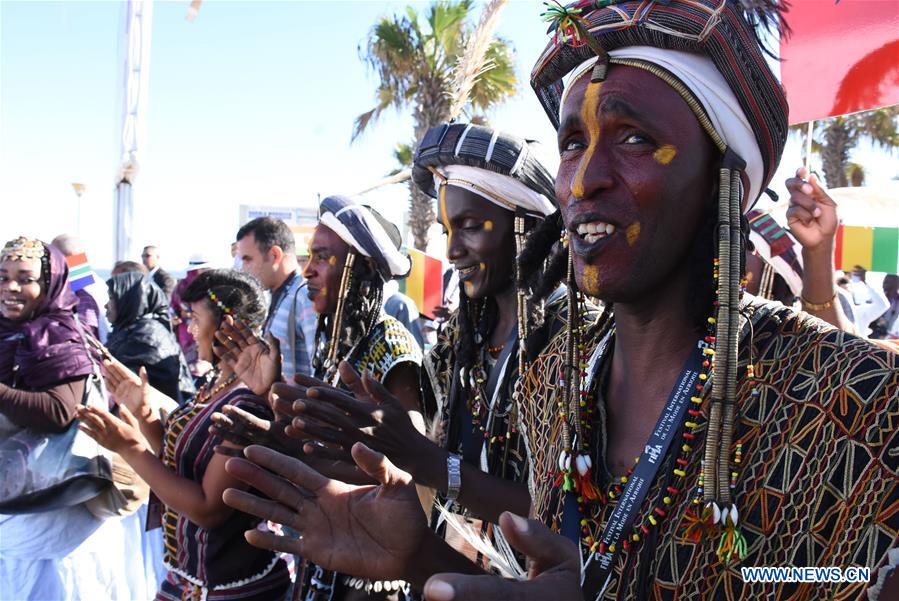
<point x="367" y="531"/>
<point x="242" y="429"/>
<point x="812" y="216"/>
<point x="553" y="570"/>
<point x="374" y="417"/>
<point x="120" y="435"/>
<point x="256" y="362"/>
<point x="127" y="388"/>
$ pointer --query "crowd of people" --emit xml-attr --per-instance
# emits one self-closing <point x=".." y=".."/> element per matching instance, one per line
<point x="635" y="395"/>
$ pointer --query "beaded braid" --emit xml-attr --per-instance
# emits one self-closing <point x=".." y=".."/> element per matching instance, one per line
<point x="359" y="302"/>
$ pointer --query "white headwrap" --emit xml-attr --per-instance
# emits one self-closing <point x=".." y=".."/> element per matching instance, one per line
<point x="700" y="75"/>
<point x="501" y="190"/>
<point x="342" y="214"/>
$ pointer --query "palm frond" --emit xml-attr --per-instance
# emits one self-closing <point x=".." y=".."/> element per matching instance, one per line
<point x="362" y="122"/>
<point x="403" y="155"/>
<point x="394" y="178"/>
<point x="473" y="64"/>
<point x="498" y="82"/>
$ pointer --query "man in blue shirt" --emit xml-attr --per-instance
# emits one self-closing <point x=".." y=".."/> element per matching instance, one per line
<point x="266" y="249"/>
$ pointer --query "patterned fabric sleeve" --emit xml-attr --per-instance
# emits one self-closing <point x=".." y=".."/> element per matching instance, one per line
<point x="386" y="346"/>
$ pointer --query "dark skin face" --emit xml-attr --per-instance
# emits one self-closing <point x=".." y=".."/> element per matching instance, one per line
<point x="327" y="254"/>
<point x="633" y="156"/>
<point x="21" y="291"/>
<point x="480" y="241"/>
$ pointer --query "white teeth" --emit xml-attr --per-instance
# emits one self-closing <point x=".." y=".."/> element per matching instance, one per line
<point x="595" y="230"/>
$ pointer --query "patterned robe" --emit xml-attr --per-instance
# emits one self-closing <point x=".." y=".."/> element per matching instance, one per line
<point x="818" y="483"/>
<point x="213" y="563"/>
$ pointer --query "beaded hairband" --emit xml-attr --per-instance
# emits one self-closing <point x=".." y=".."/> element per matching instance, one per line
<point x="218" y="303"/>
<point x="22" y="249"/>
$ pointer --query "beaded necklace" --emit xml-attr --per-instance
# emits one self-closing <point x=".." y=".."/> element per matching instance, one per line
<point x="578" y="409"/>
<point x="483" y="414"/>
<point x="205" y="393"/>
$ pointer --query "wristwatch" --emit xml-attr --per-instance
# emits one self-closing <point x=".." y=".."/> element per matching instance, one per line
<point x="453" y="476"/>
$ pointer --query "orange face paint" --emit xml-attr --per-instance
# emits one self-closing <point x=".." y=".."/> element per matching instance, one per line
<point x="446" y="222"/>
<point x="632" y="233"/>
<point x="665" y="154"/>
<point x="591" y="280"/>
<point x="332" y="260"/>
<point x="488" y="226"/>
<point x="590" y="119"/>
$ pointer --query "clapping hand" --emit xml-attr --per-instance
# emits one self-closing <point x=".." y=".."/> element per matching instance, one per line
<point x="120" y="435"/>
<point x="371" y="415"/>
<point x="127" y="388"/>
<point x="370" y="531"/>
<point x="242" y="429"/>
<point x="256" y="362"/>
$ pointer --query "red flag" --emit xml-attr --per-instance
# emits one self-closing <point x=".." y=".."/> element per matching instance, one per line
<point x="843" y="57"/>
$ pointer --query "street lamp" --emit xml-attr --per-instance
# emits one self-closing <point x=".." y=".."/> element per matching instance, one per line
<point x="79" y="191"/>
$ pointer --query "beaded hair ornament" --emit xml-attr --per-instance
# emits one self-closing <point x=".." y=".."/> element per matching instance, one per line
<point x="28" y="249"/>
<point x="218" y="303"/>
<point x="22" y="249"/>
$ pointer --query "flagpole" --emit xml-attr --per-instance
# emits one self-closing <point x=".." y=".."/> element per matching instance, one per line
<point x="808" y="145"/>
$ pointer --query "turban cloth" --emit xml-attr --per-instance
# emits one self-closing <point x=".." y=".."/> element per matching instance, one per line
<point x="718" y="32"/>
<point x="367" y="233"/>
<point x="496" y="166"/>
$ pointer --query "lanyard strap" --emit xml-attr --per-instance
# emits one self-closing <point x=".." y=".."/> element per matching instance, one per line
<point x="598" y="568"/>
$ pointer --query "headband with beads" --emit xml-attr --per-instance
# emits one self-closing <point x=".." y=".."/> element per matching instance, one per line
<point x="22" y="249"/>
<point x="218" y="303"/>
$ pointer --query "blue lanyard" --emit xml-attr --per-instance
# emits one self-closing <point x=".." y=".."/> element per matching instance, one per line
<point x="598" y="569"/>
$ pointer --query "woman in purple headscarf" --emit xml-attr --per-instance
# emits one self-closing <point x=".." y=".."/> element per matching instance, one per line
<point x="44" y="368"/>
<point x="43" y="361"/>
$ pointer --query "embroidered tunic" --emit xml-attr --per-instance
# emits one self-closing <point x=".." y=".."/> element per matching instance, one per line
<point x="818" y="483"/>
<point x="213" y="563"/>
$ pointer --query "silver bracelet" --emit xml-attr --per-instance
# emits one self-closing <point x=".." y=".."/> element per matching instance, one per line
<point x="453" y="476"/>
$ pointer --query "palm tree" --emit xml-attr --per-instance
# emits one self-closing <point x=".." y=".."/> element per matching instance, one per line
<point x="414" y="59"/>
<point x="835" y="138"/>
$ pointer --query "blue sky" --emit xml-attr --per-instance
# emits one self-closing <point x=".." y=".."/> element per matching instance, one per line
<point x="252" y="103"/>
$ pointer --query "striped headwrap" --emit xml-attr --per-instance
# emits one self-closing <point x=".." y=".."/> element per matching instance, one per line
<point x="494" y="165"/>
<point x="721" y="30"/>
<point x="368" y="233"/>
<point x="777" y="249"/>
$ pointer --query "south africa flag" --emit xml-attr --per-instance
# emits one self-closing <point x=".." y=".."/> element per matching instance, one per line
<point x="80" y="273"/>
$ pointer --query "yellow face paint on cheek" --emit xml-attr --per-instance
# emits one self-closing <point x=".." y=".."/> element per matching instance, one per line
<point x="488" y="226"/>
<point x="332" y="260"/>
<point x="446" y="222"/>
<point x="482" y="266"/>
<point x="632" y="233"/>
<point x="590" y="119"/>
<point x="591" y="280"/>
<point x="665" y="154"/>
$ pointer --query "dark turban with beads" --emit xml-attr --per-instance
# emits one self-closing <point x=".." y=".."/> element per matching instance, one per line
<point x="708" y="50"/>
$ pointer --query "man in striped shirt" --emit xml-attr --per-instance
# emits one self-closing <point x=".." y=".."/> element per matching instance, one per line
<point x="266" y="249"/>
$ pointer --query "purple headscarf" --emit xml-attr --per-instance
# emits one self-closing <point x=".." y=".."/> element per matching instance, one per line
<point x="48" y="348"/>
